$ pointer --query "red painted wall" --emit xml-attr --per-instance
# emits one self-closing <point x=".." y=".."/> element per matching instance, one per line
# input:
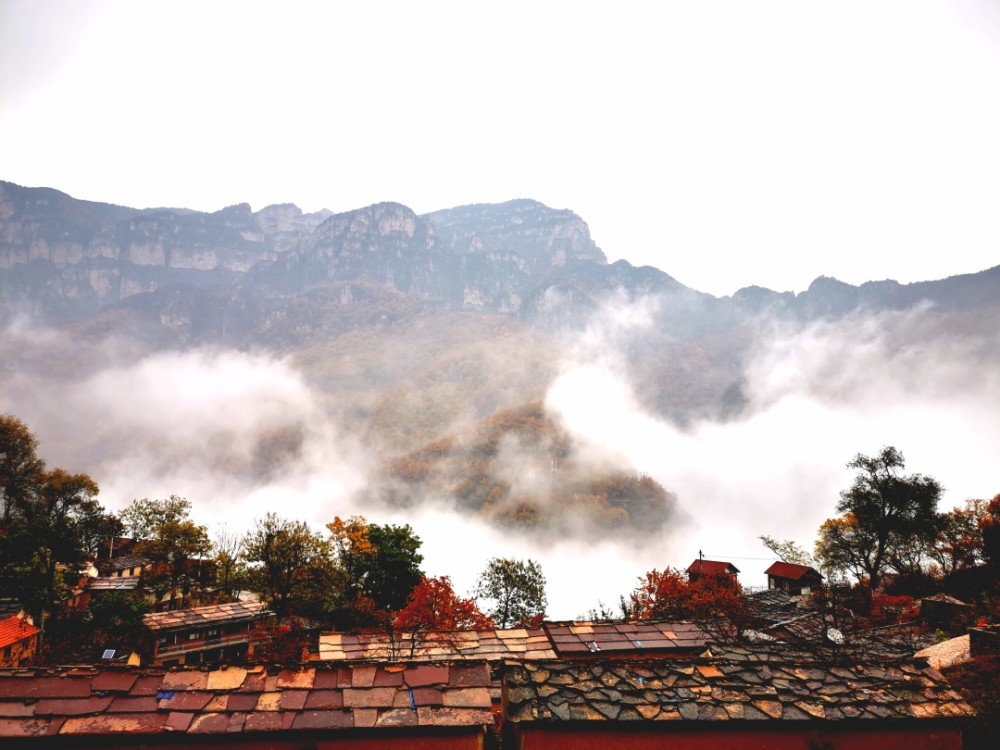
<point x="790" y="738"/>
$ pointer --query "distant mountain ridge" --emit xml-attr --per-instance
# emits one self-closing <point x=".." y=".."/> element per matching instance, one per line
<point x="63" y="258"/>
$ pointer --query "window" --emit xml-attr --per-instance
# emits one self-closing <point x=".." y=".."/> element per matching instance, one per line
<point x="193" y="636"/>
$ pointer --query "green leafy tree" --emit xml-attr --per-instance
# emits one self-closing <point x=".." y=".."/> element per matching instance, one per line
<point x="887" y="518"/>
<point x="42" y="550"/>
<point x="513" y="591"/>
<point x="172" y="541"/>
<point x="382" y="567"/>
<point x="291" y="567"/>
<point x="142" y="517"/>
<point x="20" y="466"/>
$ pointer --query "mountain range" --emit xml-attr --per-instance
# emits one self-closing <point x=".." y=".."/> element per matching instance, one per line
<point x="428" y="332"/>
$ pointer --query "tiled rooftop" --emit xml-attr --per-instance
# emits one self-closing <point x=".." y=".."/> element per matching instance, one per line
<point x="552" y="641"/>
<point x="84" y="701"/>
<point x="122" y="562"/>
<point x="735" y="685"/>
<point x="189" y="618"/>
<point x="113" y="583"/>
<point x="575" y="639"/>
<point x="947" y="653"/>
<point x="489" y="645"/>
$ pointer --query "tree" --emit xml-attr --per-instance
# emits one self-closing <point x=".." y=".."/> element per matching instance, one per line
<point x="171" y="540"/>
<point x="884" y="516"/>
<point x="514" y="591"/>
<point x="989" y="527"/>
<point x="433" y="605"/>
<point x="787" y="551"/>
<point x="382" y="567"/>
<point x="715" y="602"/>
<point x="42" y="550"/>
<point x="20" y="466"/>
<point x="959" y="543"/>
<point x="142" y="517"/>
<point x="290" y="565"/>
<point x="51" y="521"/>
<point x="230" y="567"/>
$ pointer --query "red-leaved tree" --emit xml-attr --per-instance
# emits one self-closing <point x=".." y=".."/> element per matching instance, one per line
<point x="715" y="602"/>
<point x="434" y="606"/>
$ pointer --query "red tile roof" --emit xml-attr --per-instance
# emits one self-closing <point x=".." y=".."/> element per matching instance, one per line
<point x="231" y="700"/>
<point x="14" y="629"/>
<point x="711" y="567"/>
<point x="791" y="571"/>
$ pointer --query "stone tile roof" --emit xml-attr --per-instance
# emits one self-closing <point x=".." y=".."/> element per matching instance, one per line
<point x="234" y="700"/>
<point x="489" y="645"/>
<point x="113" y="583"/>
<point x="738" y="685"/>
<point x="947" y="653"/>
<point x="123" y="562"/>
<point x="214" y="613"/>
<point x="772" y="605"/>
<point x="552" y="641"/>
<point x="575" y="639"/>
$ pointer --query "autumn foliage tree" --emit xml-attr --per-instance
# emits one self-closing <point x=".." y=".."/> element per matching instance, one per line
<point x="715" y="602"/>
<point x="381" y="565"/>
<point x="291" y="566"/>
<point x="434" y="606"/>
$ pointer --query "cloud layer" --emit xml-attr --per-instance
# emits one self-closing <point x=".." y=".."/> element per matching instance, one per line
<point x="243" y="434"/>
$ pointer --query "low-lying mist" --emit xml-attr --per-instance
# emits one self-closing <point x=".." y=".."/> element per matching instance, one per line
<point x="241" y="434"/>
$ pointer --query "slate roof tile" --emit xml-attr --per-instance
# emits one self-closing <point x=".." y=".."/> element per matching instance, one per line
<point x="724" y="685"/>
<point x="703" y="690"/>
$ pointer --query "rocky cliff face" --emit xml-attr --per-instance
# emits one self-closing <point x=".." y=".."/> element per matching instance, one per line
<point x="55" y="250"/>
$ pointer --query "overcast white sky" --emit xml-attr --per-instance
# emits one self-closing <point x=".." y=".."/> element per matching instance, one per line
<point x="727" y="143"/>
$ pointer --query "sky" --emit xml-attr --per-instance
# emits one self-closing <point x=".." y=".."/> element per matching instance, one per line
<point x="727" y="143"/>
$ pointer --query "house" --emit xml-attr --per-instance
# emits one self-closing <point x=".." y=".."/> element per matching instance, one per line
<point x="496" y="646"/>
<point x="126" y="566"/>
<point x="18" y="640"/>
<point x="711" y="568"/>
<point x="793" y="578"/>
<point x="212" y="634"/>
<point x="947" y="612"/>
